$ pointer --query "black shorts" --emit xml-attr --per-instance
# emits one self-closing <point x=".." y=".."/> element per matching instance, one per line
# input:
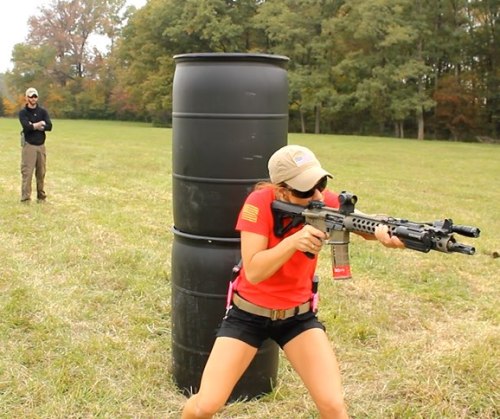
<point x="254" y="330"/>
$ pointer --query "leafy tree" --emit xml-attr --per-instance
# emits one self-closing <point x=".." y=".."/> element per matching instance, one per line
<point x="483" y="62"/>
<point x="356" y="66"/>
<point x="455" y="112"/>
<point x="66" y="27"/>
<point x="381" y="69"/>
<point x="143" y="63"/>
<point x="294" y="28"/>
<point x="218" y="25"/>
<point x="164" y="28"/>
<point x="59" y="52"/>
<point x="463" y="53"/>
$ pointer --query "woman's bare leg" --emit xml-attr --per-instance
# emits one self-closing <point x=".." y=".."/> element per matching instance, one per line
<point x="227" y="362"/>
<point x="312" y="356"/>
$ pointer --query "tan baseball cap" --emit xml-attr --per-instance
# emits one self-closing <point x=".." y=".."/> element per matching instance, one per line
<point x="296" y="166"/>
<point x="31" y="91"/>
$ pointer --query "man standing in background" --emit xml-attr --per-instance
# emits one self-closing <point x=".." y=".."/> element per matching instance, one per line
<point x="35" y="121"/>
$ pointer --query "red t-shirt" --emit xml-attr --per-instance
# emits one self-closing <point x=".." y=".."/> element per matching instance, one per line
<point x="290" y="285"/>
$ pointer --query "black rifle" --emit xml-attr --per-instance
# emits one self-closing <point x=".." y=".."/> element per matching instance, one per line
<point x="338" y="223"/>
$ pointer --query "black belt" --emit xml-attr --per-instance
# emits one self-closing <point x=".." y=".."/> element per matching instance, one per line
<point x="273" y="314"/>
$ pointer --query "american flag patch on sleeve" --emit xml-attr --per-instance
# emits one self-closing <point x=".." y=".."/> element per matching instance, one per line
<point x="250" y="213"/>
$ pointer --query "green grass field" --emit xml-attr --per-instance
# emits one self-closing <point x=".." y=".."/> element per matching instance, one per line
<point x="85" y="281"/>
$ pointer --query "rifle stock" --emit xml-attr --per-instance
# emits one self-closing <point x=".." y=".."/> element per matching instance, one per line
<point x="338" y="223"/>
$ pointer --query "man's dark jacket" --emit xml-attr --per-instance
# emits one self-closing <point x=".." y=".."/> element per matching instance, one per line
<point x="27" y="117"/>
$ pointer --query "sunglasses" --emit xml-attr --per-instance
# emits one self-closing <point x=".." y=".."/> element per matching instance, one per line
<point x="33" y="96"/>
<point x="320" y="186"/>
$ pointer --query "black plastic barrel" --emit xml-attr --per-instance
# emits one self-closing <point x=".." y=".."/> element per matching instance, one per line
<point x="230" y="113"/>
<point x="199" y="280"/>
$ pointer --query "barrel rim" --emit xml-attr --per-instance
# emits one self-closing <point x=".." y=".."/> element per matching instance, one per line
<point x="210" y="239"/>
<point x="230" y="56"/>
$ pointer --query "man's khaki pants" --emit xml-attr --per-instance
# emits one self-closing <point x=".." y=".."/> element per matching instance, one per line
<point x="33" y="159"/>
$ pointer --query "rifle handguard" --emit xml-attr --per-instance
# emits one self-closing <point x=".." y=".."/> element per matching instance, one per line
<point x="422" y="237"/>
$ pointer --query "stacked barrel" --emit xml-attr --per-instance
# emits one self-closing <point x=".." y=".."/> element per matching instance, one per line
<point x="230" y="113"/>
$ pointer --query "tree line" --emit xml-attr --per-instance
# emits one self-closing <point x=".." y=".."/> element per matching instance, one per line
<point x="407" y="68"/>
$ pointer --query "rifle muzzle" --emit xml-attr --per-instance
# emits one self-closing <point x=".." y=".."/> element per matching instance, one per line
<point x="461" y="248"/>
